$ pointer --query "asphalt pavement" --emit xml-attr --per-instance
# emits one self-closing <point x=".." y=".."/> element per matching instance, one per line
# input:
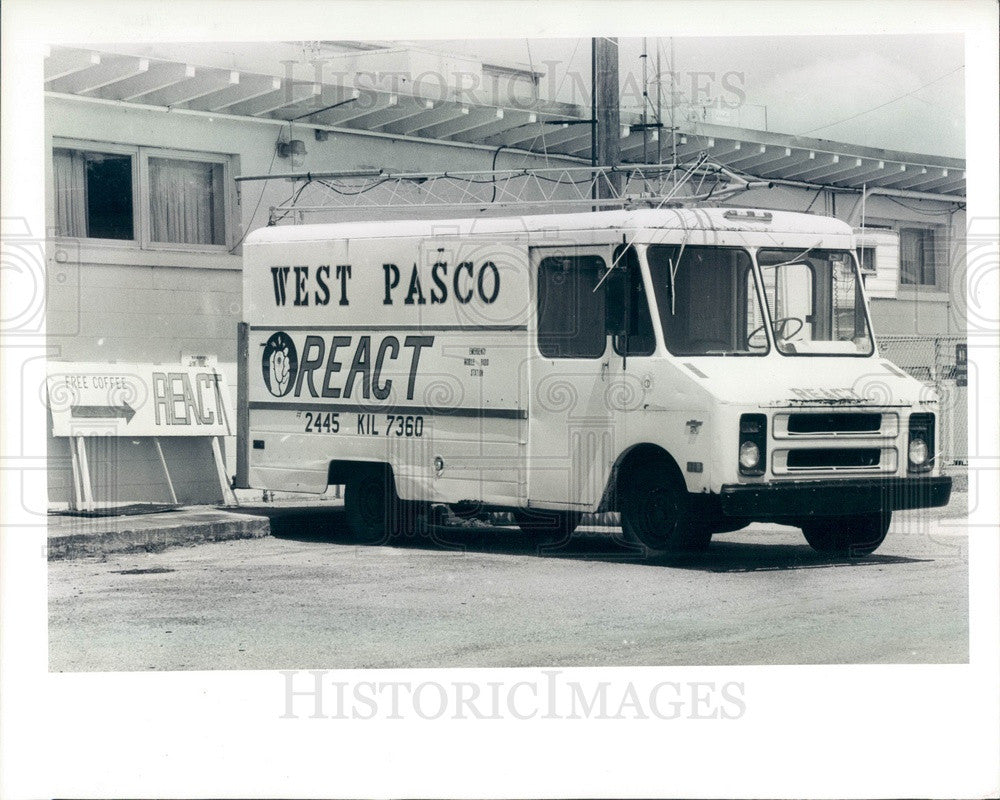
<point x="309" y="596"/>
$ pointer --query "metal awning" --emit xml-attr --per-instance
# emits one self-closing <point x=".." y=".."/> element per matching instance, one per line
<point x="546" y="127"/>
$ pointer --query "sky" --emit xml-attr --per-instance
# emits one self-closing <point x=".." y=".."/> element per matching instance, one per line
<point x="900" y="92"/>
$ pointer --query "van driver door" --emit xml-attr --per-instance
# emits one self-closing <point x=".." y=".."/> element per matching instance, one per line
<point x="572" y="369"/>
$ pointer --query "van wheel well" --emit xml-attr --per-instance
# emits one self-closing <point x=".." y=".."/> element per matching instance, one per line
<point x="340" y="471"/>
<point x="641" y="456"/>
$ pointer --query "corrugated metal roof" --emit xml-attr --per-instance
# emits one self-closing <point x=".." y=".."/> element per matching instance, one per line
<point x="453" y="116"/>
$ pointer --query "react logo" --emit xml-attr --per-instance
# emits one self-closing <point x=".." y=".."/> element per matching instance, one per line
<point x="280" y="364"/>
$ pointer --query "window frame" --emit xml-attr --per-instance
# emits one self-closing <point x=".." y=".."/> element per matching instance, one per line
<point x="228" y="215"/>
<point x="111" y="149"/>
<point x="936" y="232"/>
<point x="814" y="284"/>
<point x="856" y="264"/>
<point x="759" y="294"/>
<point x="575" y="255"/>
<point x="863" y="249"/>
<point x="142" y="196"/>
<point x="640" y="274"/>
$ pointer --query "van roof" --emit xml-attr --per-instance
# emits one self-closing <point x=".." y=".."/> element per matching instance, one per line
<point x="708" y="219"/>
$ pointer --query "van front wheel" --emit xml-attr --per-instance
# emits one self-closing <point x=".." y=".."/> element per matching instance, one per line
<point x="656" y="514"/>
<point x="847" y="536"/>
<point x="371" y="504"/>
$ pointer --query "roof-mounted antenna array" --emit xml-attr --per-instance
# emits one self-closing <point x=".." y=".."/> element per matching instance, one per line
<point x="533" y="191"/>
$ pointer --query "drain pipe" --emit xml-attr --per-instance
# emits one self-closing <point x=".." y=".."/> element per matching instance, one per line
<point x="903" y="194"/>
<point x="863" y="195"/>
<point x="906" y="193"/>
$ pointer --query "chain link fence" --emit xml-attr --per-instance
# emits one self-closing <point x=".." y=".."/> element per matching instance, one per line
<point x="940" y="362"/>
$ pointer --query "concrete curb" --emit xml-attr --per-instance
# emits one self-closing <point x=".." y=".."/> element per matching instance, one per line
<point x="75" y="537"/>
<point x="78" y="537"/>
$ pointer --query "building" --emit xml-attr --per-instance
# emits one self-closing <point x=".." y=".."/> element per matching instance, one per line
<point x="146" y="218"/>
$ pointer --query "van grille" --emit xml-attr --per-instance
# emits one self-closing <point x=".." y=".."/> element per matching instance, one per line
<point x="834" y="423"/>
<point x="834" y="458"/>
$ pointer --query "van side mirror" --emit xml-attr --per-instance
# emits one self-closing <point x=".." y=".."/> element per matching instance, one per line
<point x="616" y="303"/>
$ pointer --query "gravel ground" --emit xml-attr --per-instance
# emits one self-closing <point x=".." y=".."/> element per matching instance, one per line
<point x="310" y="597"/>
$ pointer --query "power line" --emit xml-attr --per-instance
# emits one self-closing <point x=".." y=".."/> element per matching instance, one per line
<point x="263" y="189"/>
<point x="883" y="105"/>
<point x="554" y="97"/>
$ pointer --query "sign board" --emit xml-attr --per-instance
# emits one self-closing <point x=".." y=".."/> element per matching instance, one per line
<point x="962" y="364"/>
<point x="137" y="400"/>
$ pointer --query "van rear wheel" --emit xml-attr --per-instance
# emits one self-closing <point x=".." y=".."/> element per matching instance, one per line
<point x="847" y="536"/>
<point x="371" y="505"/>
<point x="655" y="512"/>
<point x="547" y="527"/>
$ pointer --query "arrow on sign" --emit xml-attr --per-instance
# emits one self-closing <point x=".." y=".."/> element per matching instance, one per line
<point x="104" y="412"/>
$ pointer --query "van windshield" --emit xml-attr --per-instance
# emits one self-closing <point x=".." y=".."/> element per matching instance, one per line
<point x="815" y="301"/>
<point x="707" y="300"/>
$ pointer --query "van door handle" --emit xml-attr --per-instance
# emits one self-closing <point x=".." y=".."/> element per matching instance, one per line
<point x="604" y="370"/>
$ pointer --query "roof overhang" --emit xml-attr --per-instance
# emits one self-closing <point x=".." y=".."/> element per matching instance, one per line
<point x="459" y="114"/>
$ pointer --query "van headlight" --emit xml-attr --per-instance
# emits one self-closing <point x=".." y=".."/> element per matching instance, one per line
<point x="920" y="448"/>
<point x="918" y="452"/>
<point x="753" y="444"/>
<point x="749" y="455"/>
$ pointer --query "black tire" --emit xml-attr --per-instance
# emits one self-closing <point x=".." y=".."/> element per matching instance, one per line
<point x="371" y="505"/>
<point x="655" y="511"/>
<point x="414" y="520"/>
<point x="547" y="527"/>
<point x="847" y="536"/>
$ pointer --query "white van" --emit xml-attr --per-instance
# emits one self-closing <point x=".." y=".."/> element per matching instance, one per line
<point x="694" y="369"/>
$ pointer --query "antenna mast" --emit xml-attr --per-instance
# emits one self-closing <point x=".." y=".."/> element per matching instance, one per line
<point x="645" y="102"/>
<point x="673" y="124"/>
<point x="659" y="107"/>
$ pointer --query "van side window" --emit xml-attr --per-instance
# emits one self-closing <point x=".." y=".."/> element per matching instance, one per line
<point x="640" y="341"/>
<point x="570" y="312"/>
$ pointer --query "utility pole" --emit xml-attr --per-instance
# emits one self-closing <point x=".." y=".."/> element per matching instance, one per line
<point x="606" y="120"/>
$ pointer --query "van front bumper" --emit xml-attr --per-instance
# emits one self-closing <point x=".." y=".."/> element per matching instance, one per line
<point x="833" y="498"/>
